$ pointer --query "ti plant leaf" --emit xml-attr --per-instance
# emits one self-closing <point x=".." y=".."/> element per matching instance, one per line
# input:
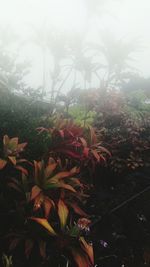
<point x="62" y="213"/>
<point x="43" y="222"/>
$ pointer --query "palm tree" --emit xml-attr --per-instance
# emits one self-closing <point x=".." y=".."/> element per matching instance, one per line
<point x="117" y="55"/>
<point x="82" y="62"/>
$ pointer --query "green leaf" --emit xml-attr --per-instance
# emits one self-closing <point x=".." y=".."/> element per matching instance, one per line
<point x="59" y="185"/>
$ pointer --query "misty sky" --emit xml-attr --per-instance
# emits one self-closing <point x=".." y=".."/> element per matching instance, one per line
<point x="127" y="19"/>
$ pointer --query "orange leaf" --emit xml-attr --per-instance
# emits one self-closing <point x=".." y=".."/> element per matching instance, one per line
<point x="83" y="141"/>
<point x="78" y="210"/>
<point x="88" y="249"/>
<point x="20" y="147"/>
<point x="96" y="155"/>
<point x="45" y="224"/>
<point x="62" y="213"/>
<point x="2" y="163"/>
<point x="35" y="192"/>
<point x="49" y="169"/>
<point x="93" y="135"/>
<point x="48" y="204"/>
<point x="75" y="170"/>
<point x="66" y="186"/>
<point x="80" y="259"/>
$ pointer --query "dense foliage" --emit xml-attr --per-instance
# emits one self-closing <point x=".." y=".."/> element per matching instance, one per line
<point x="75" y="172"/>
<point x="70" y="186"/>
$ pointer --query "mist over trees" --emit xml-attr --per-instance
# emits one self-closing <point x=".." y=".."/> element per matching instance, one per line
<point x="74" y="133"/>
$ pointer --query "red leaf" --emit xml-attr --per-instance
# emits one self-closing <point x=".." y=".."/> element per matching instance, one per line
<point x="95" y="154"/>
<point x="23" y="170"/>
<point x="78" y="210"/>
<point x="86" y="152"/>
<point x="83" y="141"/>
<point x="21" y="146"/>
<point x="61" y="132"/>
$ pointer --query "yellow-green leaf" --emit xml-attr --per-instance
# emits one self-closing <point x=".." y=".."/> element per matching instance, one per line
<point x="62" y="213"/>
<point x="45" y="224"/>
<point x="13" y="160"/>
<point x="60" y="175"/>
<point x="13" y="143"/>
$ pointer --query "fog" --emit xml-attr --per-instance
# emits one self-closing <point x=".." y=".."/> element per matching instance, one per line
<point x="50" y="35"/>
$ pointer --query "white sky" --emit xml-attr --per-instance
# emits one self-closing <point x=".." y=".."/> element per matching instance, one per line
<point x="125" y="18"/>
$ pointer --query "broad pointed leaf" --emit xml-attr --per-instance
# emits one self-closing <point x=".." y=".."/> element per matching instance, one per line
<point x="62" y="213"/>
<point x="78" y="210"/>
<point x="80" y="259"/>
<point x="2" y="163"/>
<point x="42" y="247"/>
<point x="45" y="224"/>
<point x="88" y="249"/>
<point x="21" y="146"/>
<point x="60" y="175"/>
<point x="93" y="136"/>
<point x="35" y="192"/>
<point x="6" y="140"/>
<point x="13" y="143"/>
<point x="13" y="160"/>
<point x="48" y="204"/>
<point x="23" y="170"/>
<point x="49" y="169"/>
